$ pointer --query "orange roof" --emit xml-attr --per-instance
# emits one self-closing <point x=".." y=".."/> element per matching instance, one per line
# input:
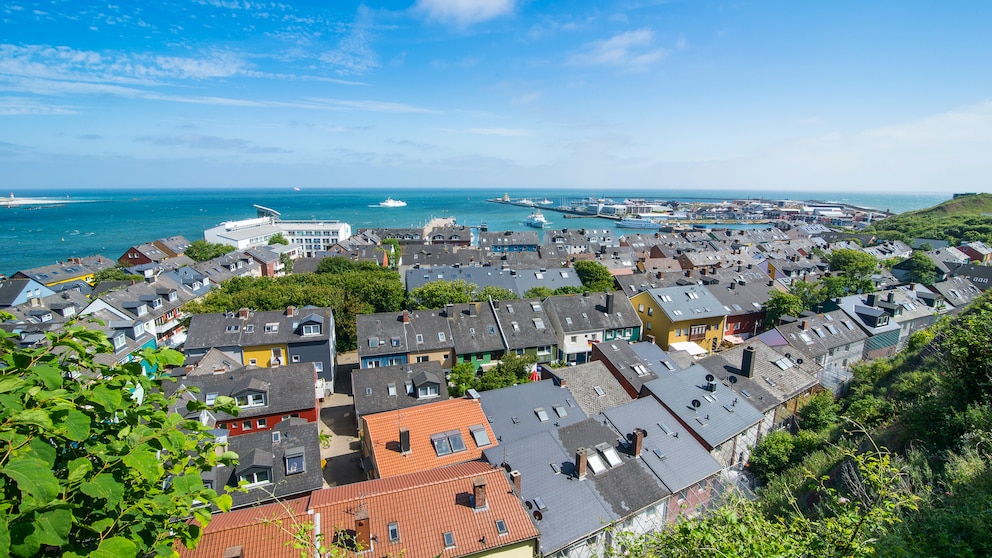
<point x="426" y="505"/>
<point x="423" y="422"/>
<point x="261" y="531"/>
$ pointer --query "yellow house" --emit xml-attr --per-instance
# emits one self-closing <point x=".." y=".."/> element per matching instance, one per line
<point x="265" y="355"/>
<point x="680" y="314"/>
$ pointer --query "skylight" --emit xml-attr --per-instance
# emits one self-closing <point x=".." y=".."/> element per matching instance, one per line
<point x="560" y="411"/>
<point x="480" y="435"/>
<point x="596" y="463"/>
<point x="610" y="453"/>
<point x="783" y="363"/>
<point x="599" y="391"/>
<point x="542" y="415"/>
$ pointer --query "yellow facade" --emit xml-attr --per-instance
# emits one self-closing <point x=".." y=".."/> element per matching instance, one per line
<point x="522" y="549"/>
<point x="658" y="328"/>
<point x="442" y="356"/>
<point x="265" y="356"/>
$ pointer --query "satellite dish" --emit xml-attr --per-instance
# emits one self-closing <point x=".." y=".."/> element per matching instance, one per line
<point x="538" y="515"/>
<point x="696" y="403"/>
<point x="733" y="379"/>
<point x="709" y="377"/>
<point x="529" y="505"/>
<point x="788" y="355"/>
<point x="799" y="361"/>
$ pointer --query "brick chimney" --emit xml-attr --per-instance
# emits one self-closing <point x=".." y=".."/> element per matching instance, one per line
<point x="363" y="529"/>
<point x="243" y="313"/>
<point x="804" y="325"/>
<point x="638" y="441"/>
<point x="515" y="478"/>
<point x="404" y="440"/>
<point x="581" y="462"/>
<point x="406" y="316"/>
<point x="479" y="493"/>
<point x="290" y="311"/>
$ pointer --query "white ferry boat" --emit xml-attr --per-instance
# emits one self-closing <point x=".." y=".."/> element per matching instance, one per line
<point x="537" y="220"/>
<point x="390" y="202"/>
<point x="634" y="223"/>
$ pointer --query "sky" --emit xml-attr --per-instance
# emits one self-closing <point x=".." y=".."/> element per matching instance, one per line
<point x="774" y="95"/>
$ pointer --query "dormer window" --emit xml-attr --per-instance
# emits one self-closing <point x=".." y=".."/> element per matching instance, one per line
<point x="173" y="295"/>
<point x="428" y="390"/>
<point x="141" y="310"/>
<point x="156" y="303"/>
<point x="295" y="462"/>
<point x="272" y="327"/>
<point x="119" y="341"/>
<point x="256" y="478"/>
<point x="311" y="329"/>
<point x="251" y="400"/>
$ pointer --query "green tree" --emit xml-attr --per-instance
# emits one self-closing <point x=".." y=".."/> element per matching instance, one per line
<point x="594" y="275"/>
<point x="436" y="294"/>
<point x="278" y="238"/>
<point x="857" y="268"/>
<point x="113" y="274"/>
<point x="201" y="250"/>
<point x="570" y="290"/>
<point x="495" y="293"/>
<point x="782" y="304"/>
<point x="772" y="454"/>
<point x="92" y="462"/>
<point x="540" y="292"/>
<point x="393" y="251"/>
<point x="463" y="378"/>
<point x="287" y="263"/>
<point x="819" y="412"/>
<point x="811" y="294"/>
<point x="921" y="269"/>
<point x="512" y="369"/>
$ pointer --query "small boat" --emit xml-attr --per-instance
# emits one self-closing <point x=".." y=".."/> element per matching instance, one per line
<point x="390" y="202"/>
<point x="537" y="220"/>
<point x="296" y="188"/>
<point x="545" y="201"/>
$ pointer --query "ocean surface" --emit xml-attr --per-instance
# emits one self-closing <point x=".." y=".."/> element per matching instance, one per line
<point x="108" y="222"/>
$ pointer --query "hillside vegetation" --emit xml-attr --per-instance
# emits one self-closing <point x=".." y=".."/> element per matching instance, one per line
<point x="966" y="218"/>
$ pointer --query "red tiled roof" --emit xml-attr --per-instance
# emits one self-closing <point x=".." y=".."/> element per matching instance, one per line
<point x="424" y="421"/>
<point x="263" y="531"/>
<point x="426" y="505"/>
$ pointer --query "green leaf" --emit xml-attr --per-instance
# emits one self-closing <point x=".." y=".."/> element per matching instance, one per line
<point x="109" y="399"/>
<point x="186" y="484"/>
<point x="115" y="547"/>
<point x="77" y="425"/>
<point x="10" y="383"/>
<point x="51" y="376"/>
<point x="79" y="468"/>
<point x="34" y="477"/>
<point x="24" y="539"/>
<point x="40" y="449"/>
<point x="36" y="417"/>
<point x="4" y="536"/>
<point x="105" y="487"/>
<point x="224" y="502"/>
<point x="146" y="463"/>
<point x="102" y="525"/>
<point x="53" y="526"/>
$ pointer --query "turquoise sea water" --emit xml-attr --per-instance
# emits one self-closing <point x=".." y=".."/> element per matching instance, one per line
<point x="113" y="220"/>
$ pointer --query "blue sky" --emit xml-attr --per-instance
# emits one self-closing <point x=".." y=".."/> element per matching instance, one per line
<point x="794" y="96"/>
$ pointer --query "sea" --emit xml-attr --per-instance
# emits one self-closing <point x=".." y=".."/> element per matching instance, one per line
<point x="107" y="222"/>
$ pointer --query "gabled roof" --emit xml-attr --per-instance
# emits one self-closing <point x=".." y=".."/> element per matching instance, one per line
<point x="958" y="291"/>
<point x="288" y="388"/>
<point x="525" y="323"/>
<point x="475" y="328"/>
<point x="619" y="357"/>
<point x="588" y="312"/>
<point x="712" y="415"/>
<point x="259" y="328"/>
<point x="383" y="389"/>
<point x="837" y="328"/>
<point x="258" y="530"/>
<point x="690" y="302"/>
<point x="387" y="334"/>
<point x="659" y="361"/>
<point x="423" y="422"/>
<point x="514" y="412"/>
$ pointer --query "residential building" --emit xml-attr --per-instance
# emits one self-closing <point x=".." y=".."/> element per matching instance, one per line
<point x="883" y="331"/>
<point x="977" y="252"/>
<point x="526" y="328"/>
<point x="142" y="254"/>
<point x="476" y="332"/>
<point x="681" y="314"/>
<point x="509" y="241"/>
<point x="592" y="386"/>
<point x="393" y="388"/>
<point x="157" y="303"/>
<point x="518" y="281"/>
<point x="17" y="291"/>
<point x="392" y="338"/>
<point x="580" y="321"/>
<point x="626" y="366"/>
<point x="959" y="292"/>
<point x="425" y="437"/>
<point x="73" y="269"/>
<point x="267" y="339"/>
<point x="310" y="236"/>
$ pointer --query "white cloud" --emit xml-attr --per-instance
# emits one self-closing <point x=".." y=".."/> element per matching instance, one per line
<point x="463" y="12"/>
<point x="969" y="122"/>
<point x="199" y="141"/>
<point x="14" y="106"/>
<point x="354" y="53"/>
<point x="632" y="50"/>
<point x="526" y="98"/>
<point x="506" y="132"/>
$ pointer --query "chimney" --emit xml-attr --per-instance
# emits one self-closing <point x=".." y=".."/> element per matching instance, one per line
<point x="234" y="552"/>
<point x="449" y="310"/>
<point x="872" y="299"/>
<point x="406" y="316"/>
<point x="515" y="478"/>
<point x="404" y="440"/>
<point x="747" y="362"/>
<point x="611" y="303"/>
<point x="891" y="297"/>
<point x="479" y="493"/>
<point x="581" y="457"/>
<point x="804" y="325"/>
<point x="638" y="441"/>
<point x="688" y="273"/>
<point x="363" y="529"/>
<point x="243" y="313"/>
<point x="290" y="311"/>
<point x="472" y="310"/>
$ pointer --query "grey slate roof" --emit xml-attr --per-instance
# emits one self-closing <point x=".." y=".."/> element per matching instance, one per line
<point x="958" y="291"/>
<point x="770" y="384"/>
<point x="619" y="357"/>
<point x="294" y="435"/>
<point x="582" y="381"/>
<point x="587" y="312"/>
<point x="287" y="388"/>
<point x="390" y="335"/>
<point x="371" y="387"/>
<point x="658" y="360"/>
<point x="716" y="419"/>
<point x="532" y="325"/>
<point x="474" y="328"/>
<point x="842" y="331"/>
<point x="519" y="402"/>
<point x="687" y="302"/>
<point x="212" y="330"/>
<point x="491" y="240"/>
<point x="683" y="461"/>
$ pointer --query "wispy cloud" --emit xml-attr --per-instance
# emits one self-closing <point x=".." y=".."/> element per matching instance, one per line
<point x="506" y="132"/>
<point x="971" y="121"/>
<point x="631" y="50"/>
<point x="90" y="137"/>
<point x="462" y="13"/>
<point x="354" y="53"/>
<point x="199" y="141"/>
<point x="526" y="98"/>
<point x="14" y="106"/>
<point x="408" y="143"/>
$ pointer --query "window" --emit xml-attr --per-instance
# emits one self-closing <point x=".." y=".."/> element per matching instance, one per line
<point x="318" y="366"/>
<point x="295" y="462"/>
<point x="449" y="540"/>
<point x="640" y="308"/>
<point x="296" y="358"/>
<point x="560" y="411"/>
<point x="394" y="341"/>
<point x="211" y="397"/>
<point x="311" y="329"/>
<point x="272" y="327"/>
<point x="262" y="423"/>
<point x="232" y="328"/>
<point x="650" y="311"/>
<point x="480" y="435"/>
<point x="420" y="338"/>
<point x="542" y="415"/>
<point x="394" y="532"/>
<point x="391" y="389"/>
<point x="119" y="341"/>
<point x="539" y="324"/>
<point x="423" y="358"/>
<point x="440" y="336"/>
<point x="429" y="390"/>
<point x="573" y="338"/>
<point x="251" y="400"/>
<point x="254" y="478"/>
<point x="515" y="326"/>
<point x="249" y="328"/>
<point x="501" y="527"/>
<point x="246" y="424"/>
<point x="252" y="361"/>
<point x="448" y="443"/>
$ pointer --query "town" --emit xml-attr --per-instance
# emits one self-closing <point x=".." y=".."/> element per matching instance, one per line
<point x="526" y="394"/>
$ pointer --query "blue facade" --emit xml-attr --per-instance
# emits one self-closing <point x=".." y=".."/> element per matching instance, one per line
<point x="383" y="360"/>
